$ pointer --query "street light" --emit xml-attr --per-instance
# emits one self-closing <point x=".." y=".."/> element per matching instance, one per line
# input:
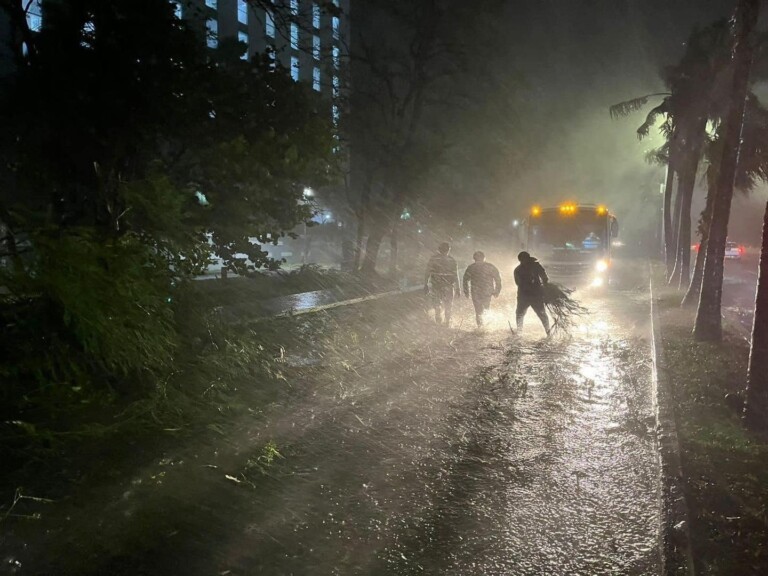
<point x="308" y="192"/>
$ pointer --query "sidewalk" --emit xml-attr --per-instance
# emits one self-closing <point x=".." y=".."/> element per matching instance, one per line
<point x="724" y="472"/>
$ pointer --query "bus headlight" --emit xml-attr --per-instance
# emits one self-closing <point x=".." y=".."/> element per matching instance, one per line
<point x="601" y="266"/>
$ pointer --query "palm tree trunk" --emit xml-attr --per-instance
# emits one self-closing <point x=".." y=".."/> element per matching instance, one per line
<point x="694" y="290"/>
<point x="681" y="272"/>
<point x="669" y="257"/>
<point x="675" y="228"/>
<point x="756" y="401"/>
<point x="708" y="325"/>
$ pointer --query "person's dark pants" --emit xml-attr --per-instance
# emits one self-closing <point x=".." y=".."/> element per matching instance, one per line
<point x="482" y="303"/>
<point x="535" y="301"/>
<point x="442" y="298"/>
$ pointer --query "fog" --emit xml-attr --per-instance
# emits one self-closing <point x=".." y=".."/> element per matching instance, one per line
<point x="578" y="58"/>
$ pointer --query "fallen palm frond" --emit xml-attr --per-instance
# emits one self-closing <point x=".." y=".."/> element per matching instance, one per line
<point x="563" y="309"/>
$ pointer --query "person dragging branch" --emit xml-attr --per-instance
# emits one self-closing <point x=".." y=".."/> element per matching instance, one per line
<point x="530" y="278"/>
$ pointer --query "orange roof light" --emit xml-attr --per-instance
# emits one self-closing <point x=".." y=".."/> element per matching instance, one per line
<point x="568" y="209"/>
<point x="536" y="211"/>
<point x="602" y="210"/>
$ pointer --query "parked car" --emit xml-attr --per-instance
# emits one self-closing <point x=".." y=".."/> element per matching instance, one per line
<point x="733" y="251"/>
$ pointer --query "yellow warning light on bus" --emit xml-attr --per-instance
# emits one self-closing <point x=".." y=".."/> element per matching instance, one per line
<point x="536" y="211"/>
<point x="567" y="209"/>
<point x="602" y="210"/>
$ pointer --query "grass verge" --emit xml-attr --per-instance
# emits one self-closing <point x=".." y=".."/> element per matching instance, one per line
<point x="725" y="466"/>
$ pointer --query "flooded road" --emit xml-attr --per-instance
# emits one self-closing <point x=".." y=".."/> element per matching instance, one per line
<point x="402" y="448"/>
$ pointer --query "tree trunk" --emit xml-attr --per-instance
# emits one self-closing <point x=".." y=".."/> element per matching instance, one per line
<point x="694" y="290"/>
<point x="681" y="271"/>
<point x="675" y="227"/>
<point x="708" y="325"/>
<point x="667" y="217"/>
<point x="359" y="235"/>
<point x="756" y="400"/>
<point x="372" y="246"/>
<point x="393" y="249"/>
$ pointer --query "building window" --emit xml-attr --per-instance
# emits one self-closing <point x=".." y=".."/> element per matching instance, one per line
<point x="243" y="37"/>
<point x="336" y="86"/>
<point x="295" y="68"/>
<point x="295" y="7"/>
<point x="335" y="114"/>
<point x="294" y="36"/>
<point x="212" y="29"/>
<point x="335" y="26"/>
<point x="269" y="26"/>
<point x="316" y="78"/>
<point x="316" y="47"/>
<point x="336" y="55"/>
<point x="212" y="4"/>
<point x="316" y="15"/>
<point x="242" y="11"/>
<point x="35" y="16"/>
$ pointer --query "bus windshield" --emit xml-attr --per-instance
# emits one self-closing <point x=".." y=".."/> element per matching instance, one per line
<point x="583" y="231"/>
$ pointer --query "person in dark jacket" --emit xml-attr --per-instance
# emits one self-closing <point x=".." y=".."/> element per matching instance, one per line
<point x="530" y="278"/>
<point x="485" y="282"/>
<point x="442" y="277"/>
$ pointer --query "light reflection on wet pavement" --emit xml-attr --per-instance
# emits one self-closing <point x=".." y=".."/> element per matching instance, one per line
<point x="425" y="451"/>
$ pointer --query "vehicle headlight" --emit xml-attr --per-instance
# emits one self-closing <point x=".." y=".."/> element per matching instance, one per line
<point x="601" y="266"/>
<point x="597" y="282"/>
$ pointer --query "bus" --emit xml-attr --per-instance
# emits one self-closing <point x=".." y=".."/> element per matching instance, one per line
<point x="573" y="241"/>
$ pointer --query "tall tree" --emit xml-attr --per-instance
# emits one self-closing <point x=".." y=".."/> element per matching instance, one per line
<point x="412" y="69"/>
<point x="708" y="325"/>
<point x="756" y="401"/>
<point x="687" y="107"/>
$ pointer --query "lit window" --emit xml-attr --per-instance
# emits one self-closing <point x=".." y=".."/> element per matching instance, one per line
<point x="242" y="11"/>
<point x="211" y="4"/>
<point x="295" y="68"/>
<point x="335" y="114"/>
<point x="269" y="26"/>
<point x="336" y="57"/>
<point x="243" y="37"/>
<point x="295" y="7"/>
<point x="335" y="25"/>
<point x="316" y="47"/>
<point x="177" y="10"/>
<point x="294" y="36"/>
<point x="336" y="86"/>
<point x="34" y="16"/>
<point x="316" y="79"/>
<point x="212" y="27"/>
<point x="316" y="15"/>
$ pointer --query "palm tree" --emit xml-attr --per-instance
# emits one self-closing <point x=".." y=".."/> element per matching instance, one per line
<point x="686" y="107"/>
<point x="752" y="167"/>
<point x="756" y="401"/>
<point x="708" y="324"/>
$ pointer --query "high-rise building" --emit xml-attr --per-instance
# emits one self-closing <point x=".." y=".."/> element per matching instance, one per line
<point x="299" y="34"/>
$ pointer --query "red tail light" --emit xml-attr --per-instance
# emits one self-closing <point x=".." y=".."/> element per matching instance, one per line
<point x="741" y="250"/>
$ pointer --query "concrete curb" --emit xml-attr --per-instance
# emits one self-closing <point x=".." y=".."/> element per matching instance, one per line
<point x="352" y="301"/>
<point x="674" y="526"/>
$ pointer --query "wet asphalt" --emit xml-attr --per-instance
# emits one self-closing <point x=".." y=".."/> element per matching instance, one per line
<point x="408" y="449"/>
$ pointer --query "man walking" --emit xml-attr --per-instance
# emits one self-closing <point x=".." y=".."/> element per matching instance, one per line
<point x="530" y="278"/>
<point x="443" y="277"/>
<point x="485" y="281"/>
